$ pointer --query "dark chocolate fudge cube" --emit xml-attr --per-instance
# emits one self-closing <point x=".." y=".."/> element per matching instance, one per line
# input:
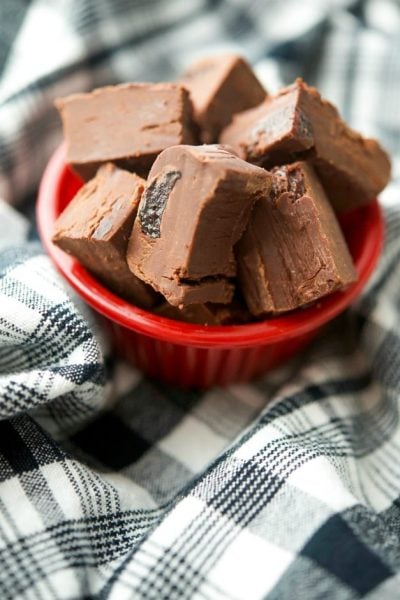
<point x="297" y="124"/>
<point x="128" y="124"/>
<point x="95" y="228"/>
<point x="293" y="251"/>
<point x="195" y="208"/>
<point x="221" y="86"/>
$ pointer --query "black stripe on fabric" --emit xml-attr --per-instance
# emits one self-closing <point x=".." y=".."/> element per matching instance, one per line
<point x="43" y="447"/>
<point x="61" y="319"/>
<point x="18" y="398"/>
<point x="25" y="446"/>
<point x="387" y="361"/>
<point x="96" y="495"/>
<point x="12" y="332"/>
<point x="67" y="410"/>
<point x="82" y="372"/>
<point x="108" y="440"/>
<point x="336" y="549"/>
<point x="45" y="503"/>
<point x="176" y="582"/>
<point x="14" y="449"/>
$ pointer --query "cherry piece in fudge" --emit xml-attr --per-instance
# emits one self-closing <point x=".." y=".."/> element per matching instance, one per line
<point x="220" y="86"/>
<point x="297" y="124"/>
<point x="127" y="124"/>
<point x="195" y="207"/>
<point x="95" y="229"/>
<point x="293" y="251"/>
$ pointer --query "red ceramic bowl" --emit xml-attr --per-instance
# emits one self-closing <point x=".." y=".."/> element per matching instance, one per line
<point x="196" y="355"/>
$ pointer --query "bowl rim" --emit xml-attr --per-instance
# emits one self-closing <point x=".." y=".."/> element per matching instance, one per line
<point x="125" y="314"/>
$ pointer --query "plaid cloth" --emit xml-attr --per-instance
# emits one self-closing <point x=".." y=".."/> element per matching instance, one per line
<point x="112" y="486"/>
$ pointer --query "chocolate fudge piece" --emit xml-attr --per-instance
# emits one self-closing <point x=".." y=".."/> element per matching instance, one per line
<point x="128" y="124"/>
<point x="196" y="206"/>
<point x="293" y="251"/>
<point x="206" y="314"/>
<point x="297" y="124"/>
<point x="221" y="86"/>
<point x="95" y="228"/>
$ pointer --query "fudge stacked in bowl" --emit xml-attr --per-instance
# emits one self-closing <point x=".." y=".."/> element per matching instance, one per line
<point x="209" y="200"/>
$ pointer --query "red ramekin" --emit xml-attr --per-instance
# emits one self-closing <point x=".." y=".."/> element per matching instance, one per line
<point x="196" y="355"/>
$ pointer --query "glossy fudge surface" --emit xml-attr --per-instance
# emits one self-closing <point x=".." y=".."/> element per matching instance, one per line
<point x="195" y="208"/>
<point x="220" y="86"/>
<point x="95" y="228"/>
<point x="293" y="251"/>
<point x="127" y="124"/>
<point x="297" y="124"/>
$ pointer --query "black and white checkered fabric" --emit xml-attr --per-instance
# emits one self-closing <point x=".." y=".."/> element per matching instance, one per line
<point x="112" y="486"/>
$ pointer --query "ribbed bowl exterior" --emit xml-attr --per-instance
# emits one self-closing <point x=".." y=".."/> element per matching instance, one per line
<point x="191" y="367"/>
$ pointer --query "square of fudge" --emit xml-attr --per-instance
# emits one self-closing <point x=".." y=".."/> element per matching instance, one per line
<point x="293" y="251"/>
<point x="95" y="228"/>
<point x="127" y="124"/>
<point x="220" y="86"/>
<point x="195" y="207"/>
<point x="298" y="124"/>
